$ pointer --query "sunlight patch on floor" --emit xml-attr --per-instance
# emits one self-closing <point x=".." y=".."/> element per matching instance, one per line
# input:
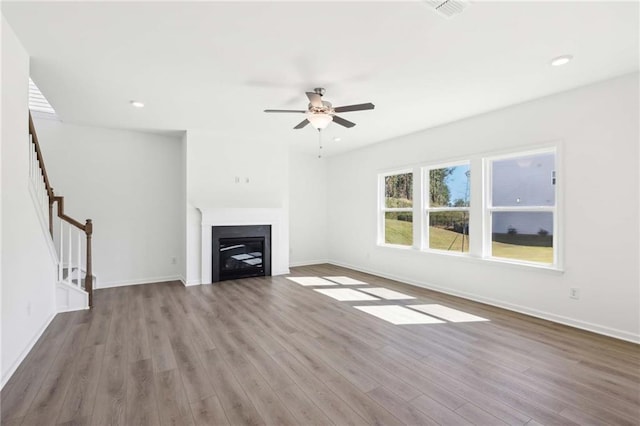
<point x="398" y="315"/>
<point x="346" y="294"/>
<point x="446" y="313"/>
<point x="310" y="281"/>
<point x="387" y="294"/>
<point x="346" y="281"/>
<point x="395" y="314"/>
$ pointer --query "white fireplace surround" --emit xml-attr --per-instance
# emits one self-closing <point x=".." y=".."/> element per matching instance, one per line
<point x="275" y="217"/>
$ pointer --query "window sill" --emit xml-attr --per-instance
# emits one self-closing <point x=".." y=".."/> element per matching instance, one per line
<point x="395" y="246"/>
<point x="479" y="260"/>
<point x="523" y="264"/>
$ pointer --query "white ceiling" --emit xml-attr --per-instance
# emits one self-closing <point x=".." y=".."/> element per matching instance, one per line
<point x="217" y="65"/>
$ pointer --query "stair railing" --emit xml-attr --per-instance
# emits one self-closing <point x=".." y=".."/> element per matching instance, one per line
<point x="70" y="265"/>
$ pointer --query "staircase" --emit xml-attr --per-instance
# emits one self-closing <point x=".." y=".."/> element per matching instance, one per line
<point x="69" y="240"/>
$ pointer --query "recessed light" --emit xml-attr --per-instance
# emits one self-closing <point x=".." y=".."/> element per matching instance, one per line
<point x="561" y="60"/>
<point x="136" y="104"/>
<point x="337" y="139"/>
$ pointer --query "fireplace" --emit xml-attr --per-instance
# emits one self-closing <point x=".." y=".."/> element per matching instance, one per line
<point x="278" y="247"/>
<point x="240" y="252"/>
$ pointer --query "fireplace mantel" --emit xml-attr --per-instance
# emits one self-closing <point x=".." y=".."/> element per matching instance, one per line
<point x="276" y="217"/>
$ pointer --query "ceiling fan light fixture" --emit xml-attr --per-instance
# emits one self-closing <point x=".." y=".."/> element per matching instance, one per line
<point x="319" y="120"/>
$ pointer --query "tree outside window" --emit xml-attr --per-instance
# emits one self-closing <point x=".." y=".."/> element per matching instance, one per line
<point x="398" y="209"/>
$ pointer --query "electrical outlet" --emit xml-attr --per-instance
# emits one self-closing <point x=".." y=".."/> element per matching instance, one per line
<point x="574" y="293"/>
<point x="29" y="309"/>
<point x="174" y="260"/>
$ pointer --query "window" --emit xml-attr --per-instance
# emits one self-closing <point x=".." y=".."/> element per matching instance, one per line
<point x="521" y="207"/>
<point x="447" y="207"/>
<point x="513" y="217"/>
<point x="397" y="209"/>
<point x="37" y="101"/>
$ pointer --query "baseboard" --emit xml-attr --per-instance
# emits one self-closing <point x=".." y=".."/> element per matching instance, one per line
<point x="583" y="325"/>
<point x="188" y="283"/>
<point x="72" y="310"/>
<point x="280" y="272"/>
<point x="26" y="351"/>
<point x="308" y="263"/>
<point x="139" y="281"/>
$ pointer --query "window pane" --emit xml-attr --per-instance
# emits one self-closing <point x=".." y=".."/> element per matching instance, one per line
<point x="523" y="236"/>
<point x="449" y="231"/>
<point x="524" y="181"/>
<point x="449" y="186"/>
<point x="398" y="228"/>
<point x="398" y="190"/>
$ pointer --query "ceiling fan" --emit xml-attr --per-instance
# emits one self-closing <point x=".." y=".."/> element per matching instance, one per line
<point x="320" y="113"/>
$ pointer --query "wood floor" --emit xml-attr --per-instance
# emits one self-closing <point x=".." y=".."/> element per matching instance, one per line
<point x="270" y="351"/>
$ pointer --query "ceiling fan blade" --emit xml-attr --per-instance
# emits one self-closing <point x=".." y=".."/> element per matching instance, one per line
<point x="358" y="107"/>
<point x="302" y="124"/>
<point x="285" y="110"/>
<point x="341" y="121"/>
<point x="315" y="99"/>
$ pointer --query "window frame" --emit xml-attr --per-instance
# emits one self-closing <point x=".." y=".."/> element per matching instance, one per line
<point x="480" y="238"/>
<point x="383" y="209"/>
<point x="426" y="209"/>
<point x="488" y="208"/>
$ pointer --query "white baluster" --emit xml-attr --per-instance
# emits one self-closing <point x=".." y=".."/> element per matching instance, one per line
<point x="31" y="150"/>
<point x="79" y="274"/>
<point x="35" y="166"/>
<point x="30" y="158"/>
<point x="60" y="265"/>
<point x="70" y="262"/>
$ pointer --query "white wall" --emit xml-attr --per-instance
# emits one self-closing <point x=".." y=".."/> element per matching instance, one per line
<point x="213" y="162"/>
<point x="597" y="127"/>
<point x="182" y="258"/>
<point x="28" y="269"/>
<point x="307" y="209"/>
<point x="130" y="184"/>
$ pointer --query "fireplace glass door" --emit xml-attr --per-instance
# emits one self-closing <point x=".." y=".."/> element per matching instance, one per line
<point x="241" y="258"/>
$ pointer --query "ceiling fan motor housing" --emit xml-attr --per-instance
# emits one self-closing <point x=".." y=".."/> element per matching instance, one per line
<point x="326" y="108"/>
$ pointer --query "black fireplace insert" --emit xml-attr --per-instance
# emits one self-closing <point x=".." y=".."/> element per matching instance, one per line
<point x="240" y="252"/>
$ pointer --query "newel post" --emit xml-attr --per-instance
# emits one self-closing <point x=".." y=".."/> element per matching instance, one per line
<point x="88" y="281"/>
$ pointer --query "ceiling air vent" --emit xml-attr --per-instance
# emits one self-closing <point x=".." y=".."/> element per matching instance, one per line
<point x="37" y="101"/>
<point x="448" y="8"/>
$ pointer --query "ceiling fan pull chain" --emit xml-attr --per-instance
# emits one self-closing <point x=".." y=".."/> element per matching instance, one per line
<point x="319" y="143"/>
